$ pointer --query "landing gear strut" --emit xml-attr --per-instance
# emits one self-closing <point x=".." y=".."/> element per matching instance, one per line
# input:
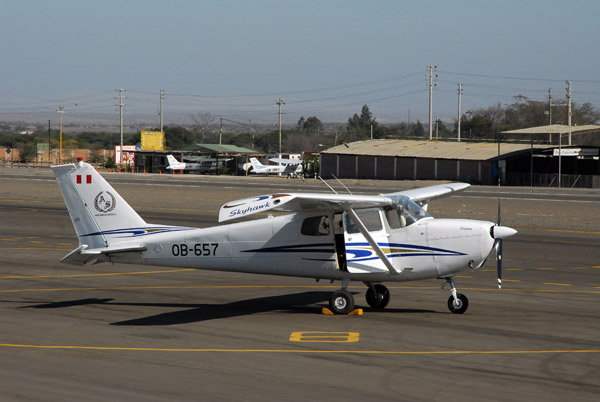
<point x="342" y="301"/>
<point x="378" y="296"/>
<point x="457" y="303"/>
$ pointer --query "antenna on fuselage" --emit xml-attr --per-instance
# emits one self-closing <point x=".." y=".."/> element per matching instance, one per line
<point x="339" y="181"/>
<point x="327" y="184"/>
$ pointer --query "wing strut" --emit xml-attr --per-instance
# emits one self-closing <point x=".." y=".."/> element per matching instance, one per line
<point x="372" y="242"/>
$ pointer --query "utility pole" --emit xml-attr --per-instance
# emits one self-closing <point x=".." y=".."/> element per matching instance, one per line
<point x="120" y="105"/>
<point x="49" y="150"/>
<point x="60" y="111"/>
<point x="459" y="107"/>
<point x="569" y="110"/>
<point x="431" y="76"/>
<point x="221" y="131"/>
<point x="437" y="119"/>
<point x="162" y="98"/>
<point x="550" y="106"/>
<point x="279" y="103"/>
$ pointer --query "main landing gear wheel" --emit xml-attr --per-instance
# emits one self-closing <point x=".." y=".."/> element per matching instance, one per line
<point x="378" y="298"/>
<point x="341" y="302"/>
<point x="460" y="305"/>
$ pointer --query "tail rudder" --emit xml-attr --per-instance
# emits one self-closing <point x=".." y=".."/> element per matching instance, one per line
<point x="174" y="163"/>
<point x="256" y="163"/>
<point x="99" y="214"/>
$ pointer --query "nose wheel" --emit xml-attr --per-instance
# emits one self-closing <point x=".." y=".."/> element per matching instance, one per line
<point x="457" y="302"/>
<point x="341" y="302"/>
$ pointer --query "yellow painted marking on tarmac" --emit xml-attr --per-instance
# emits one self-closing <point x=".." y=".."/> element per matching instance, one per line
<point x="34" y="201"/>
<point x="558" y="230"/>
<point x="463" y="276"/>
<point x="507" y="269"/>
<point x="557" y="284"/>
<point x="577" y="243"/>
<point x="321" y="336"/>
<point x="304" y="351"/>
<point x="580" y="268"/>
<point x="14" y="239"/>
<point x="33" y="237"/>
<point x="596" y="266"/>
<point x="436" y="288"/>
<point x="65" y="244"/>
<point x="510" y="280"/>
<point x="106" y="274"/>
<point x="36" y="248"/>
<point x="36" y="242"/>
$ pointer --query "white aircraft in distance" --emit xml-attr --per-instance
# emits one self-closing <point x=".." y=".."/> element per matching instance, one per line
<point x="205" y="164"/>
<point x="174" y="164"/>
<point x="288" y="167"/>
<point x="366" y="238"/>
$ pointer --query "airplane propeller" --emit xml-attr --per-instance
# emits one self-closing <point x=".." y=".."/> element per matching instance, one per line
<point x="500" y="232"/>
<point x="498" y="247"/>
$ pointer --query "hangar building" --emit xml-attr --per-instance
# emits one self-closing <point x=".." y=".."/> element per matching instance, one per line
<point x="476" y="163"/>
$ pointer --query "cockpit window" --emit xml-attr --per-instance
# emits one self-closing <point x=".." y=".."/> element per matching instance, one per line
<point x="369" y="217"/>
<point x="315" y="226"/>
<point x="404" y="213"/>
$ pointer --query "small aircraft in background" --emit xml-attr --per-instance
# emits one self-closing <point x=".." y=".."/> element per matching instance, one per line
<point x="203" y="165"/>
<point x="339" y="237"/>
<point x="290" y="167"/>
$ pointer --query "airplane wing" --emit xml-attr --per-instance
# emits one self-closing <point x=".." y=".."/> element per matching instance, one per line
<point x="284" y="161"/>
<point x="298" y="202"/>
<point x="423" y="195"/>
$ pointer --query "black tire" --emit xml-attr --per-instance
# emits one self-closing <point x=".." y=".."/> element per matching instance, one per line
<point x="463" y="304"/>
<point x="379" y="299"/>
<point x="341" y="302"/>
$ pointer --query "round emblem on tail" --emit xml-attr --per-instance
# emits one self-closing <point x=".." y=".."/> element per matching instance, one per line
<point x="105" y="202"/>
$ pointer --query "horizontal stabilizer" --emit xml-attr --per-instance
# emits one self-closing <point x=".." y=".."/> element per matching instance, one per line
<point x="81" y="255"/>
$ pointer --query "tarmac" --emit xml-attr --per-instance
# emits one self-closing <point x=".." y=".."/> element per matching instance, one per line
<point x="127" y="332"/>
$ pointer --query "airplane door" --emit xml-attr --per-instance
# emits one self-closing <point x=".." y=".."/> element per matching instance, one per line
<point x="360" y="256"/>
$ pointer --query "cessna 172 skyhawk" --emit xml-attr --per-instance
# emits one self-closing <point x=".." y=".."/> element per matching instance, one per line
<point x="372" y="239"/>
<point x="288" y="167"/>
<point x="205" y="164"/>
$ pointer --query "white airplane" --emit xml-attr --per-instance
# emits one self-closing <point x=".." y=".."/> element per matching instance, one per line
<point x="288" y="167"/>
<point x="345" y="237"/>
<point x="174" y="164"/>
<point x="205" y="164"/>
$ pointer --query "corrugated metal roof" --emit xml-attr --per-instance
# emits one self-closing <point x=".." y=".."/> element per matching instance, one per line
<point x="555" y="129"/>
<point x="430" y="149"/>
<point x="221" y="148"/>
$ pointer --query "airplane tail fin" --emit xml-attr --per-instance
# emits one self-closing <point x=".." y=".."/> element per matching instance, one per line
<point x="101" y="217"/>
<point x="174" y="163"/>
<point x="255" y="163"/>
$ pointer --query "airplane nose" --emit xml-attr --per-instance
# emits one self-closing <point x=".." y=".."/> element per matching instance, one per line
<point x="501" y="232"/>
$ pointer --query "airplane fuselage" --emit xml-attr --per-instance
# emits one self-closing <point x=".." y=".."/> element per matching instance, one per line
<point x="277" y="246"/>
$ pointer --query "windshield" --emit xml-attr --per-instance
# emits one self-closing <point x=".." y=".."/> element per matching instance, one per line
<point x="404" y="212"/>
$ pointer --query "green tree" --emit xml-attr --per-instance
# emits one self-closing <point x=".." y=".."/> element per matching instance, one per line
<point x="417" y="129"/>
<point x="177" y="137"/>
<point x="313" y="126"/>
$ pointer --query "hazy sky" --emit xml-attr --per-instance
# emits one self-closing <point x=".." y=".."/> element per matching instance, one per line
<point x="324" y="58"/>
